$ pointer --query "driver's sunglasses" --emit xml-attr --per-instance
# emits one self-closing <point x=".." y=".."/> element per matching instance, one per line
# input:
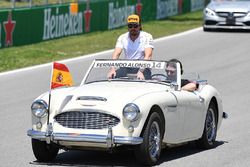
<point x="133" y="25"/>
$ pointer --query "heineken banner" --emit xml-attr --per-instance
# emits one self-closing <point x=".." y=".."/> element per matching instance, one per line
<point x="31" y="25"/>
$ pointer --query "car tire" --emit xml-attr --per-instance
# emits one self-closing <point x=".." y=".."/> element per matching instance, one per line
<point x="206" y="29"/>
<point x="148" y="153"/>
<point x="207" y="141"/>
<point x="44" y="152"/>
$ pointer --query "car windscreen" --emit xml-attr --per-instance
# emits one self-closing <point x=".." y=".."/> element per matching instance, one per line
<point x="127" y="70"/>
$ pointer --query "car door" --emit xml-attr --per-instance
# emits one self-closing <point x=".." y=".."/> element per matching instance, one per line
<point x="171" y="111"/>
<point x="191" y="113"/>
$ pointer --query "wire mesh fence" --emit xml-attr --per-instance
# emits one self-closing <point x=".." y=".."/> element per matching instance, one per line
<point x="31" y="3"/>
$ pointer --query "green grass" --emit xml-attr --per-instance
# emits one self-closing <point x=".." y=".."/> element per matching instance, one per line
<point x="73" y="46"/>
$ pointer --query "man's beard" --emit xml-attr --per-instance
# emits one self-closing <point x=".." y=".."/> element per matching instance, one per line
<point x="134" y="32"/>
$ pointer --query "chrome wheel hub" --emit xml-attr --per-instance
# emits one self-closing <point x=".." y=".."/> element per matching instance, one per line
<point x="210" y="125"/>
<point x="154" y="140"/>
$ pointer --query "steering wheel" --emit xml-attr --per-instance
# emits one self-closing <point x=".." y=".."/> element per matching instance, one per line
<point x="159" y="77"/>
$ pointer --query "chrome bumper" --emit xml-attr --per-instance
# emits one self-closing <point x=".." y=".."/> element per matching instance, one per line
<point x="108" y="139"/>
<point x="227" y="27"/>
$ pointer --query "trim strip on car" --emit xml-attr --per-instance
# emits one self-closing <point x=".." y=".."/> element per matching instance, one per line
<point x="85" y="137"/>
<point x="227" y="27"/>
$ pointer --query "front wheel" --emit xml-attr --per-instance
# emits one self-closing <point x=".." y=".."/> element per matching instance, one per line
<point x="148" y="153"/>
<point x="208" y="138"/>
<point x="205" y="29"/>
<point x="44" y="152"/>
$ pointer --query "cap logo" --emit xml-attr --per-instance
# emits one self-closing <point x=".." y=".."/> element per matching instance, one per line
<point x="133" y="19"/>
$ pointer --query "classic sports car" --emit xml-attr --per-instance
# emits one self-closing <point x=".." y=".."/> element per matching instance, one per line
<point x="144" y="115"/>
<point x="227" y="14"/>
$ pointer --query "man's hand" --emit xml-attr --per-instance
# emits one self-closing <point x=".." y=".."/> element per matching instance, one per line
<point x="140" y="75"/>
<point x="111" y="73"/>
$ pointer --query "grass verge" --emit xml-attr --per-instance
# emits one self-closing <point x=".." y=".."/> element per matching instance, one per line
<point x="73" y="46"/>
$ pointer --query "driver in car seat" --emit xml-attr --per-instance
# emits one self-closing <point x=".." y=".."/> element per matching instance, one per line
<point x="171" y="74"/>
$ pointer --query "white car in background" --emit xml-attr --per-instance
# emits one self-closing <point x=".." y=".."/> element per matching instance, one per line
<point x="227" y="14"/>
<point x="106" y="113"/>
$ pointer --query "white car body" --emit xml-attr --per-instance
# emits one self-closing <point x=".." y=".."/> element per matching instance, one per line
<point x="227" y="14"/>
<point x="182" y="113"/>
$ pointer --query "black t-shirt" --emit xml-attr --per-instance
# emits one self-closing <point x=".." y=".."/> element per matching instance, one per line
<point x="185" y="82"/>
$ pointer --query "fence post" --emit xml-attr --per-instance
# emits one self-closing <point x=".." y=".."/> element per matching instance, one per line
<point x="30" y="3"/>
<point x="13" y="3"/>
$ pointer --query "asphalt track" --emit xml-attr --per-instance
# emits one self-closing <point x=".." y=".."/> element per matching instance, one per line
<point x="222" y="58"/>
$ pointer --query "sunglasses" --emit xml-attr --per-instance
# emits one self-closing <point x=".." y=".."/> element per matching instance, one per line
<point x="133" y="25"/>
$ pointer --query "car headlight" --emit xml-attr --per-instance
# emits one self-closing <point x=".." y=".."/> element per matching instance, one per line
<point x="131" y="112"/>
<point x="39" y="108"/>
<point x="209" y="12"/>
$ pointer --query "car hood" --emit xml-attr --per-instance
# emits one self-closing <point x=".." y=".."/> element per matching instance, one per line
<point x="229" y="6"/>
<point x="111" y="89"/>
<point x="102" y="95"/>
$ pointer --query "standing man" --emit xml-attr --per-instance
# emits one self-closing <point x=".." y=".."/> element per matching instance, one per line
<point x="136" y="44"/>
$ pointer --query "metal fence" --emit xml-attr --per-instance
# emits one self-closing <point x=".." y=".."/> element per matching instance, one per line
<point x="31" y="3"/>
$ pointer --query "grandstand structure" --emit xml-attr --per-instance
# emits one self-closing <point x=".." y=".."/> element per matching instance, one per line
<point x="31" y="3"/>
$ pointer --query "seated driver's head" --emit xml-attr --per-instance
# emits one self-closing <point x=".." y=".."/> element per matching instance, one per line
<point x="171" y="70"/>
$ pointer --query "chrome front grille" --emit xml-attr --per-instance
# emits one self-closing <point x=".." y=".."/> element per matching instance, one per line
<point x="223" y="14"/>
<point x="239" y="14"/>
<point x="234" y="14"/>
<point x="86" y="120"/>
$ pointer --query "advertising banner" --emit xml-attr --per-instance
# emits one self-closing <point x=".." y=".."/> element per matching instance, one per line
<point x="197" y="4"/>
<point x="23" y="26"/>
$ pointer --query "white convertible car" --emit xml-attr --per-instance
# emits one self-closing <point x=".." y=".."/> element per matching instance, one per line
<point x="106" y="113"/>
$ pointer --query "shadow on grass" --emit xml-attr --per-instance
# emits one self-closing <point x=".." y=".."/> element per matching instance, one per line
<point x="120" y="158"/>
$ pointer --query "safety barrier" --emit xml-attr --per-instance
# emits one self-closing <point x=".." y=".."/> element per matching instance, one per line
<point x="21" y="26"/>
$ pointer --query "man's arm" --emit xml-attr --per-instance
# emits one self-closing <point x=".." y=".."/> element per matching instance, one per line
<point x="148" y="53"/>
<point x="117" y="52"/>
<point x="147" y="56"/>
<point x="189" y="87"/>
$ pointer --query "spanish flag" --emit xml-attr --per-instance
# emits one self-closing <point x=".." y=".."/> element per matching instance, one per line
<point x="60" y="76"/>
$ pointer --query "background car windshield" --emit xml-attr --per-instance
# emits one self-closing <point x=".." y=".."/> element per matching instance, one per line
<point x="126" y="70"/>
